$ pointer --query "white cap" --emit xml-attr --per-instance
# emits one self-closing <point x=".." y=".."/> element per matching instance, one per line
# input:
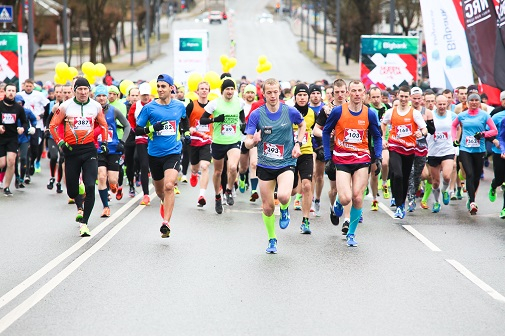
<point x="416" y="90"/>
<point x="502" y="95"/>
<point x="145" y="88"/>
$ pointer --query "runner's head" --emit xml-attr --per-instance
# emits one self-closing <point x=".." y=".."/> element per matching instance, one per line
<point x="502" y="98"/>
<point x="339" y="91"/>
<point x="356" y="92"/>
<point x="113" y="93"/>
<point x="416" y="97"/>
<point x="375" y="97"/>
<point x="181" y="92"/>
<point x="67" y="92"/>
<point x="271" y="91"/>
<point x="82" y="89"/>
<point x="249" y="93"/>
<point x="301" y="95"/>
<point x="462" y="93"/>
<point x="429" y="99"/>
<point x="58" y="92"/>
<point x="203" y="90"/>
<point x="315" y="94"/>
<point x="473" y="101"/>
<point x="228" y="88"/>
<point x="134" y="94"/>
<point x="165" y="86"/>
<point x="29" y="84"/>
<point x="144" y="92"/>
<point x="19" y="99"/>
<point x="441" y="102"/>
<point x="101" y="94"/>
<point x="448" y="94"/>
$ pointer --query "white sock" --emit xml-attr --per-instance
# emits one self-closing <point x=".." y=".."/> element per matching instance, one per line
<point x="202" y="192"/>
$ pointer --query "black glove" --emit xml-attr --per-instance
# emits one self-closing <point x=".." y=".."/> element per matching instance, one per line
<point x="320" y="154"/>
<point x="242" y="128"/>
<point x="455" y="143"/>
<point x="158" y="126"/>
<point x="219" y="118"/>
<point x="329" y="167"/>
<point x="478" y="135"/>
<point x="63" y="144"/>
<point x="187" y="138"/>
<point x="378" y="164"/>
<point x="120" y="147"/>
<point x="47" y="134"/>
<point x="104" y="148"/>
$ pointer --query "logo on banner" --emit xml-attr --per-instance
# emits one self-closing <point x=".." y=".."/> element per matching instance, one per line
<point x="476" y="11"/>
<point x="390" y="70"/>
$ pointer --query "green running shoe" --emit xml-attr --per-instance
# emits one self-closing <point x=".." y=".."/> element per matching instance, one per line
<point x="492" y="194"/>
<point x="502" y="213"/>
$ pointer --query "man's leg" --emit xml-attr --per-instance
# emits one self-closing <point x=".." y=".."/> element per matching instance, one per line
<point x="9" y="172"/>
<point x="233" y="158"/>
<point x="359" y="183"/>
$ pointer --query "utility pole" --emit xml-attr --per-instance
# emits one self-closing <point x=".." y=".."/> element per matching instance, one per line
<point x="301" y="21"/>
<point x="31" y="40"/>
<point x="132" y="35"/>
<point x="325" y="5"/>
<point x="147" y="5"/>
<point x="65" y="31"/>
<point x="308" y="27"/>
<point x="337" y="25"/>
<point x="392" y="17"/>
<point x="315" y="28"/>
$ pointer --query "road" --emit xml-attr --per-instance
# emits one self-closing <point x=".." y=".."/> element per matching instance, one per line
<point x="429" y="274"/>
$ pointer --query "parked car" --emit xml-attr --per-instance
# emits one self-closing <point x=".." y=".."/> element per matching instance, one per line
<point x="215" y="16"/>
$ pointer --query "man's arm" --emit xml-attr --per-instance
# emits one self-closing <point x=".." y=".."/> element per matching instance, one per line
<point x="122" y="119"/>
<point x="56" y="120"/>
<point x="102" y="122"/>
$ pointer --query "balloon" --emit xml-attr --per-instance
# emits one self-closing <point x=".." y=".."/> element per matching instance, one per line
<point x="225" y="68"/>
<point x="100" y="70"/>
<point x="193" y="80"/>
<point x="267" y="66"/>
<point x="61" y="69"/>
<point x="123" y="87"/>
<point x="91" y="79"/>
<point x="213" y="79"/>
<point x="72" y="72"/>
<point x="191" y="95"/>
<point x="153" y="84"/>
<point x="262" y="59"/>
<point x="259" y="68"/>
<point x="88" y="68"/>
<point x="223" y="59"/>
<point x="59" y="80"/>
<point x="212" y="96"/>
<point x="232" y="62"/>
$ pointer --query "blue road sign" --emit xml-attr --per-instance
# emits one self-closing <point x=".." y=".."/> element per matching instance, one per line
<point x="6" y="14"/>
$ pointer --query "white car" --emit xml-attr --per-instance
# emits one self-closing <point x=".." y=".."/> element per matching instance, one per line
<point x="215" y="16"/>
<point x="266" y="18"/>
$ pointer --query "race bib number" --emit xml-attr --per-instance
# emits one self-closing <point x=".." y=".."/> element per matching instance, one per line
<point x="203" y="128"/>
<point x="83" y="124"/>
<point x="273" y="151"/>
<point x="403" y="130"/>
<point x="441" y="136"/>
<point x="470" y="141"/>
<point x="228" y="129"/>
<point x="305" y="136"/>
<point x="353" y="135"/>
<point x="109" y="139"/>
<point x="169" y="129"/>
<point x="8" y="118"/>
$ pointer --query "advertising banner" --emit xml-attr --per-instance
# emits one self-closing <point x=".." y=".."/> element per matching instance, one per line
<point x="449" y="63"/>
<point x="13" y="58"/>
<point x="191" y="53"/>
<point x="389" y="61"/>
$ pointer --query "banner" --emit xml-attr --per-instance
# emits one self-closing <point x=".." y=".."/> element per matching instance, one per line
<point x="501" y="20"/>
<point x="191" y="53"/>
<point x="449" y="63"/>
<point x="388" y="61"/>
<point x="13" y="58"/>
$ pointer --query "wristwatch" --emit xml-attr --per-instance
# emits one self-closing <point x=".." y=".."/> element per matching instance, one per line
<point x="298" y="142"/>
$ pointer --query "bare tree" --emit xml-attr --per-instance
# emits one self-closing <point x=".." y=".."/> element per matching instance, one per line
<point x="95" y="18"/>
<point x="409" y="14"/>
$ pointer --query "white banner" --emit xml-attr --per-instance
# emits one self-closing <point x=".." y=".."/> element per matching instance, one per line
<point x="191" y="53"/>
<point x="449" y="63"/>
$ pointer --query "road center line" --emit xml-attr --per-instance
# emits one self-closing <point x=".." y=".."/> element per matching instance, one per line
<point x="422" y="238"/>
<point x="31" y="301"/>
<point x="387" y="210"/>
<point x="13" y="293"/>
<point x="473" y="278"/>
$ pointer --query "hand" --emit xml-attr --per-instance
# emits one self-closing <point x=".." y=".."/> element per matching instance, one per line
<point x="187" y="138"/>
<point x="296" y="152"/>
<point x="328" y="166"/>
<point x="503" y="155"/>
<point x="478" y="135"/>
<point x="104" y="148"/>
<point x="21" y="130"/>
<point x="2" y="129"/>
<point x="192" y="130"/>
<point x="455" y="143"/>
<point x="157" y="127"/>
<point x="63" y="144"/>
<point x="47" y="134"/>
<point x="378" y="166"/>
<point x="257" y="137"/>
<point x="219" y="118"/>
<point x="418" y="134"/>
<point x="31" y="130"/>
<point x="242" y="128"/>
<point x="120" y="147"/>
<point x="496" y="143"/>
<point x="384" y="144"/>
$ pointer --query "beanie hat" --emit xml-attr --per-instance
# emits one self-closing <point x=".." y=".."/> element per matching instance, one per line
<point x="81" y="81"/>
<point x="113" y="89"/>
<point x="472" y="89"/>
<point x="227" y="82"/>
<point x="314" y="88"/>
<point x="473" y="96"/>
<point x="101" y="90"/>
<point x="301" y="88"/>
<point x="252" y="88"/>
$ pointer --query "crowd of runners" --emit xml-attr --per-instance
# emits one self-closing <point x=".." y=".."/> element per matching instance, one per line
<point x="274" y="141"/>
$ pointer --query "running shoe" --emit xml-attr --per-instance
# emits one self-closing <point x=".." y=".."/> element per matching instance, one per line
<point x="445" y="197"/>
<point x="83" y="230"/>
<point x="276" y="200"/>
<point x="463" y="187"/>
<point x="458" y="194"/>
<point x="468" y="204"/>
<point x="184" y="179"/>
<point x="165" y="230"/>
<point x="360" y="220"/>
<point x="412" y="205"/>
<point x="21" y="185"/>
<point x="7" y="192"/>
<point x="312" y="207"/>
<point x="453" y="196"/>
<point x="201" y="201"/>
<point x="272" y="246"/>
<point x="50" y="185"/>
<point x="367" y="191"/>
<point x="119" y="193"/>
<point x="350" y="241"/>
<point x="59" y="190"/>
<point x="16" y="183"/>
<point x="219" y="205"/>
<point x="284" y="219"/>
<point x="436" y="207"/>
<point x="424" y="205"/>
<point x="492" y="194"/>
<point x="473" y="208"/>
<point x="254" y="196"/>
<point x="79" y="215"/>
<point x="105" y="212"/>
<point x="503" y="187"/>
<point x="176" y="190"/>
<point x="400" y="213"/>
<point x="317" y="208"/>
<point x="375" y="205"/>
<point x="241" y="185"/>
<point x="131" y="193"/>
<point x="28" y="179"/>
<point x="297" y="205"/>
<point x="193" y="180"/>
<point x="229" y="198"/>
<point x="82" y="189"/>
<point x="333" y="218"/>
<point x="37" y="167"/>
<point x="305" y="227"/>
<point x="385" y="192"/>
<point x="162" y="209"/>
<point x="338" y="209"/>
<point x="345" y="227"/>
<point x="502" y="213"/>
<point x="137" y="182"/>
<point x="71" y="201"/>
<point x="145" y="200"/>
<point x="392" y="203"/>
<point x="113" y="188"/>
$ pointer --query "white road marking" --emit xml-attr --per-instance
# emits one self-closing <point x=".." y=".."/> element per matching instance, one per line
<point x="387" y="210"/>
<point x="13" y="293"/>
<point x="422" y="238"/>
<point x="31" y="301"/>
<point x="473" y="278"/>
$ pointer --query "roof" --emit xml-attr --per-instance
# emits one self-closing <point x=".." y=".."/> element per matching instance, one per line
<point x="49" y="7"/>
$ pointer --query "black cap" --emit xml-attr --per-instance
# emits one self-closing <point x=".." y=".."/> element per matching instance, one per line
<point x="314" y="88"/>
<point x="227" y="82"/>
<point x="301" y="88"/>
<point x="472" y="89"/>
<point x="81" y="81"/>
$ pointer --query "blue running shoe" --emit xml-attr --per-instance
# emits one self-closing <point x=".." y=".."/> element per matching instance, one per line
<point x="350" y="240"/>
<point x="393" y="203"/>
<point x="37" y="167"/>
<point x="284" y="220"/>
<point x="272" y="246"/>
<point x="360" y="219"/>
<point x="400" y="213"/>
<point x="412" y="205"/>
<point x="445" y="197"/>
<point x="436" y="208"/>
<point x="338" y="209"/>
<point x="305" y="227"/>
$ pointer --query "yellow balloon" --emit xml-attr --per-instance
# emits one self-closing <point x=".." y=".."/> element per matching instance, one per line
<point x="100" y="70"/>
<point x="259" y="68"/>
<point x="212" y="96"/>
<point x="123" y="87"/>
<point x="232" y="62"/>
<point x="59" y="80"/>
<point x="193" y="80"/>
<point x="72" y="72"/>
<point x="153" y="85"/>
<point x="191" y="95"/>
<point x="61" y="69"/>
<point x="223" y="59"/>
<point x="213" y="79"/>
<point x="262" y="59"/>
<point x="91" y="79"/>
<point x="88" y="68"/>
<point x="225" y="68"/>
<point x="267" y="66"/>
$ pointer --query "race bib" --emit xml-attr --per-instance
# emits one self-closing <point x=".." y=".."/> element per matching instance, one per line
<point x="228" y="129"/>
<point x="403" y="131"/>
<point x="441" y="136"/>
<point x="109" y="132"/>
<point x="353" y="135"/>
<point x="203" y="128"/>
<point x="8" y="118"/>
<point x="305" y="136"/>
<point x="169" y="129"/>
<point x="273" y="151"/>
<point x="470" y="141"/>
<point x="83" y="124"/>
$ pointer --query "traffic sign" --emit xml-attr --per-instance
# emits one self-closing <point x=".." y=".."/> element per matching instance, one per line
<point x="6" y="14"/>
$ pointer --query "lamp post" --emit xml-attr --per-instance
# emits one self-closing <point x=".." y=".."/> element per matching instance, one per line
<point x="337" y="26"/>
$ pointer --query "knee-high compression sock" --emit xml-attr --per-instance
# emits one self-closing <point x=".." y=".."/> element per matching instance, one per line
<point x="104" y="196"/>
<point x="270" y="225"/>
<point x="254" y="183"/>
<point x="436" y="194"/>
<point x="427" y="191"/>
<point x="445" y="185"/>
<point x="285" y="206"/>
<point x="355" y="215"/>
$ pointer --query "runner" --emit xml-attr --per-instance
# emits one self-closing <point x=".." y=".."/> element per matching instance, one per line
<point x="78" y="116"/>
<point x="119" y="104"/>
<point x="270" y="129"/>
<point x="24" y="144"/>
<point x="129" y="146"/>
<point x="352" y="123"/>
<point x="56" y="158"/>
<point x="164" y="115"/>
<point x="316" y="104"/>
<point x="499" y="158"/>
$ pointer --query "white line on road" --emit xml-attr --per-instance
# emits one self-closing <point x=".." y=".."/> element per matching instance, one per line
<point x="473" y="278"/>
<point x="387" y="210"/>
<point x="13" y="293"/>
<point x="422" y="238"/>
<point x="31" y="301"/>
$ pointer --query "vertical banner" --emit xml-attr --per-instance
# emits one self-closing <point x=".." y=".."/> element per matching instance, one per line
<point x="499" y="57"/>
<point x="501" y="20"/>
<point x="449" y="63"/>
<point x="13" y="58"/>
<point x="191" y="53"/>
<point x="388" y="61"/>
